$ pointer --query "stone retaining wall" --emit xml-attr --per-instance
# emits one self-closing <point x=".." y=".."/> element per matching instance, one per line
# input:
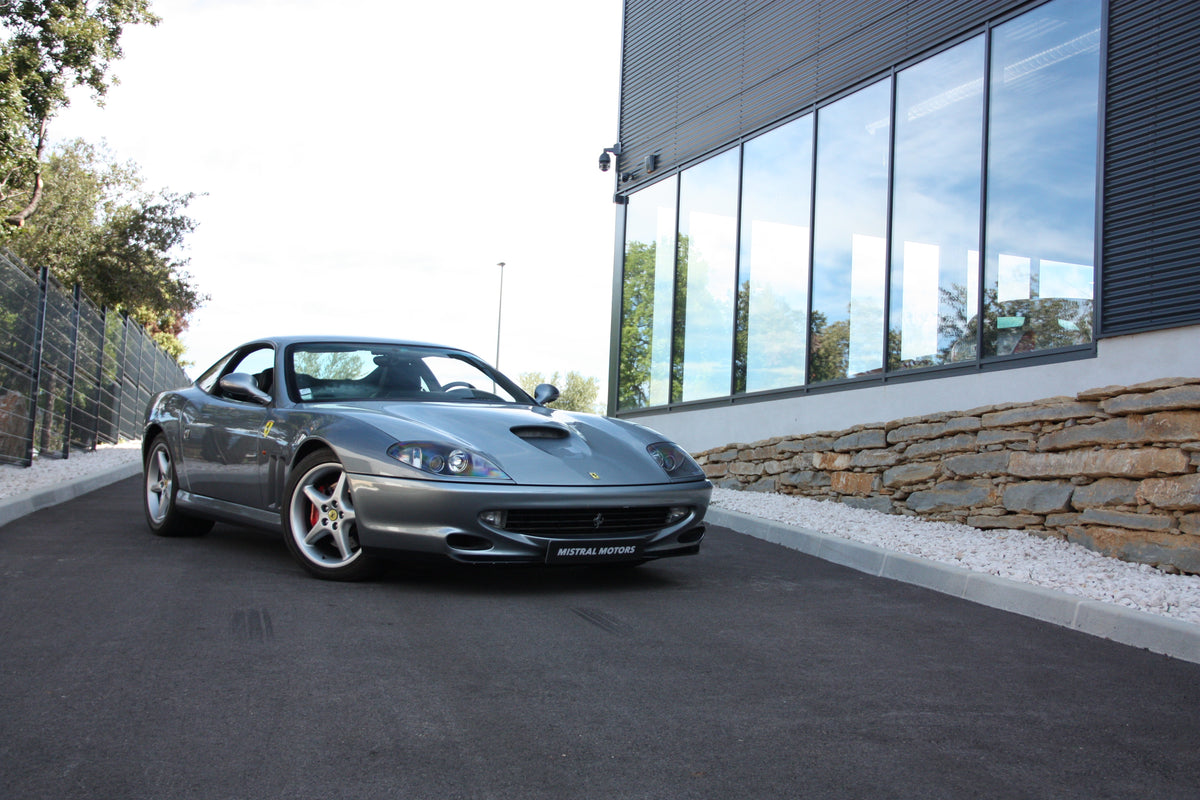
<point x="1116" y="469"/>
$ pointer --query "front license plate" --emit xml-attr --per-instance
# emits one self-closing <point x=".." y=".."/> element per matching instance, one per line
<point x="591" y="551"/>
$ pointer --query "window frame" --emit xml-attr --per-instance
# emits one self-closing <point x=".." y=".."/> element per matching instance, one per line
<point x="980" y="362"/>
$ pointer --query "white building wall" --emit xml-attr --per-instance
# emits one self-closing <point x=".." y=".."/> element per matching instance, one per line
<point x="1123" y="360"/>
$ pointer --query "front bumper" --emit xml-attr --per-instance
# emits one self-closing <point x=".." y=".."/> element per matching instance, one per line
<point x="400" y="515"/>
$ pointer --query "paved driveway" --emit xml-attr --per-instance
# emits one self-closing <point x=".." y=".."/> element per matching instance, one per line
<point x="137" y="667"/>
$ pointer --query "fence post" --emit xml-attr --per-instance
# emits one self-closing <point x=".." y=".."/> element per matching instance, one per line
<point x="35" y="391"/>
<point x="100" y="376"/>
<point x="124" y="369"/>
<point x="69" y="422"/>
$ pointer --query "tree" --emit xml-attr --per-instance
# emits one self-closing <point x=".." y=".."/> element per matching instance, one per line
<point x="637" y="325"/>
<point x="645" y="363"/>
<point x="828" y="349"/>
<point x="332" y="366"/>
<point x="769" y="340"/>
<point x="576" y="393"/>
<point x="1011" y="326"/>
<point x="99" y="227"/>
<point x="51" y="47"/>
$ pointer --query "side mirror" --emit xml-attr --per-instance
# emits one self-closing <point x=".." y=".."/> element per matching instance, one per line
<point x="242" y="386"/>
<point x="545" y="393"/>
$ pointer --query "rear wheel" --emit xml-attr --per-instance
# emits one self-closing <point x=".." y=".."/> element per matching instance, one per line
<point x="319" y="522"/>
<point x="159" y="495"/>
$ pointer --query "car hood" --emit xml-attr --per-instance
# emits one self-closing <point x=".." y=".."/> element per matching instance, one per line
<point x="532" y="444"/>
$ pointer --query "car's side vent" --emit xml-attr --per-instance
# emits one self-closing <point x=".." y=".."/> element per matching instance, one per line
<point x="541" y="432"/>
<point x="276" y="472"/>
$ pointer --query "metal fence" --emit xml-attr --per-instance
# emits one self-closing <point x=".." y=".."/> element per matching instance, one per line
<point x="71" y="375"/>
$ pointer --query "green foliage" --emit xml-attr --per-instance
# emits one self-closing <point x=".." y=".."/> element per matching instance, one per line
<point x="576" y="393"/>
<point x="89" y="222"/>
<point x="99" y="227"/>
<point x="779" y="339"/>
<point x="637" y="325"/>
<point x="49" y="48"/>
<point x="829" y="348"/>
<point x="1011" y="326"/>
<point x="332" y="366"/>
<point x="679" y="321"/>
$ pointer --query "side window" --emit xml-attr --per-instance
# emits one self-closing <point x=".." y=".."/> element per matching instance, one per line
<point x="208" y="381"/>
<point x="260" y="363"/>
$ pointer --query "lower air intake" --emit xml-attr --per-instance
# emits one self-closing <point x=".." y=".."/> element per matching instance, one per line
<point x="588" y="521"/>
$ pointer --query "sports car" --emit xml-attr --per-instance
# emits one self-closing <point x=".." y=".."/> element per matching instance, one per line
<point x="363" y="449"/>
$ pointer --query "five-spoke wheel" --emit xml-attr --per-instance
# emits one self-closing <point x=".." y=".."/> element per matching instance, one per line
<point x="162" y="514"/>
<point x="319" y="524"/>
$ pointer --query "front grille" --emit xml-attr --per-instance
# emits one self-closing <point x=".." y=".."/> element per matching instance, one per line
<point x="587" y="521"/>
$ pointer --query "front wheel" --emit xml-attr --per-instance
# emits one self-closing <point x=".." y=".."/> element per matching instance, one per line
<point x="158" y="495"/>
<point x="319" y="521"/>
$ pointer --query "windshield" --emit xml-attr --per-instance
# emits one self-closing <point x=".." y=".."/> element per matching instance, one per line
<point x="324" y="372"/>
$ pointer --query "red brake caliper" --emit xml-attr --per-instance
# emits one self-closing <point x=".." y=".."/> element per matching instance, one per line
<point x="314" y="513"/>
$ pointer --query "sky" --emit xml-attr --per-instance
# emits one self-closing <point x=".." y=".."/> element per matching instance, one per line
<point x="364" y="165"/>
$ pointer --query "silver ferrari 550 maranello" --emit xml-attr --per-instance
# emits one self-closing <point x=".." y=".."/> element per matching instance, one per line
<point x="365" y="448"/>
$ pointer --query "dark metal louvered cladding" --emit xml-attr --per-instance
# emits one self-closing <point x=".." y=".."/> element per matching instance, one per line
<point x="696" y="80"/>
<point x="587" y="521"/>
<point x="1151" y="258"/>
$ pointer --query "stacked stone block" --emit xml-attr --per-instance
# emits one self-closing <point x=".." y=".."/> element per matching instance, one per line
<point x="1116" y="469"/>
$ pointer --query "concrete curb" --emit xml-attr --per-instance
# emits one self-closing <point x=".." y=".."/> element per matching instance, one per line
<point x="1153" y="632"/>
<point x="13" y="508"/>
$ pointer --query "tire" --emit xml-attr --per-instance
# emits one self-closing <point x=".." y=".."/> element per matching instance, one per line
<point x="159" y="491"/>
<point x="319" y="522"/>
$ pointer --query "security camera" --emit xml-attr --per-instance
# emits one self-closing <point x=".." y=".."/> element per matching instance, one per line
<point x="606" y="159"/>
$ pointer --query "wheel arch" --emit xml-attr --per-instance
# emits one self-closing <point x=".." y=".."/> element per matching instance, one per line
<point x="307" y="448"/>
<point x="152" y="432"/>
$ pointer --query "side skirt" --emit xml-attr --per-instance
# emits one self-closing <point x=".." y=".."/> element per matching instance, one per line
<point x="209" y="508"/>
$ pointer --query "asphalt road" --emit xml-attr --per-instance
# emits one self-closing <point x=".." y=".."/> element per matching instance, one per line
<point x="138" y="667"/>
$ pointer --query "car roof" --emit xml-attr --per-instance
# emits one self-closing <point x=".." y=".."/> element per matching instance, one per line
<point x="284" y="341"/>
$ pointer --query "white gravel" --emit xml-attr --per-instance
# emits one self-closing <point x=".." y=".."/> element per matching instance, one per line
<point x="1009" y="554"/>
<point x="49" y="472"/>
<point x="1016" y="555"/>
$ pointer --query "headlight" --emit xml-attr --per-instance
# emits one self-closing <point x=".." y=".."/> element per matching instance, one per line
<point x="673" y="459"/>
<point x="438" y="459"/>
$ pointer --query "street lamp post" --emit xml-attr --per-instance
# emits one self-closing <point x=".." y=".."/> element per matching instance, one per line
<point x="499" y="312"/>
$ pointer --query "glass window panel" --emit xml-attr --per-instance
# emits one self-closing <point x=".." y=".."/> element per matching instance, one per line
<point x="1041" y="197"/>
<point x="708" y="195"/>
<point x="1012" y="282"/>
<point x="935" y="209"/>
<point x="772" y="297"/>
<point x="846" y="328"/>
<point x="646" y="302"/>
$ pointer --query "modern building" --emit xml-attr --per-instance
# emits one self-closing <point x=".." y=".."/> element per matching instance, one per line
<point x="834" y="212"/>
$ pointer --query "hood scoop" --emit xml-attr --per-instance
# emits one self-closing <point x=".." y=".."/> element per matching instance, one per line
<point x="536" y="433"/>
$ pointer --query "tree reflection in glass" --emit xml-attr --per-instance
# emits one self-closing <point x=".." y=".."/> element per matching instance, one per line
<point x="648" y="282"/>
<point x="850" y="226"/>
<point x="706" y="277"/>
<point x="773" y="266"/>
<point x="935" y="207"/>
<point x="1041" y="196"/>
